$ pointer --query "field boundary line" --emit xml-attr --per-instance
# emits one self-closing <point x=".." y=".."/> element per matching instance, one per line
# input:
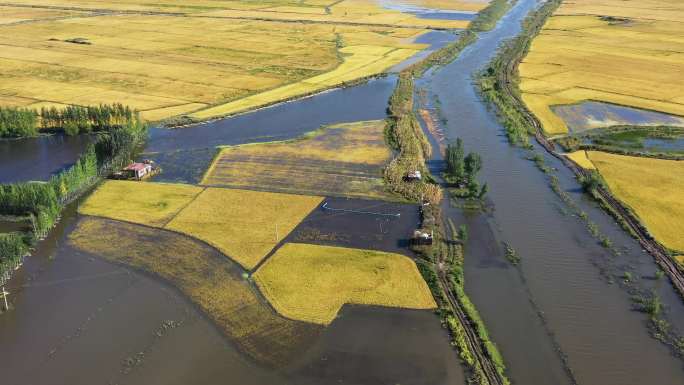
<point x="325" y="207"/>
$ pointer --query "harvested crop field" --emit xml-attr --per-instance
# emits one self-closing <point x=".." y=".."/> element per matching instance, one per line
<point x="243" y="224"/>
<point x="210" y="280"/>
<point x="650" y="187"/>
<point x="342" y="160"/>
<point x="582" y="159"/>
<point x="312" y="282"/>
<point x="149" y="55"/>
<point x="152" y="204"/>
<point x="615" y="51"/>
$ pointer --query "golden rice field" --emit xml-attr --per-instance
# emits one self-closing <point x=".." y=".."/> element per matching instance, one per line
<point x="582" y="159"/>
<point x="635" y="59"/>
<point x="680" y="259"/>
<point x="652" y="188"/>
<point x="345" y="159"/>
<point x="210" y="280"/>
<point x="243" y="224"/>
<point x="149" y="54"/>
<point x="152" y="204"/>
<point x="311" y="282"/>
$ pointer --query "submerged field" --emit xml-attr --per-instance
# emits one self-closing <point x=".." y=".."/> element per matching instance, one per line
<point x="245" y="225"/>
<point x="312" y="282"/>
<point x="345" y="160"/>
<point x="206" y="277"/>
<point x="650" y="187"/>
<point x="628" y="53"/>
<point x="151" y="56"/>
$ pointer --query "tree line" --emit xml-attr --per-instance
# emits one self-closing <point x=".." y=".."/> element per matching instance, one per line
<point x="42" y="202"/>
<point x="18" y="122"/>
<point x="72" y="120"/>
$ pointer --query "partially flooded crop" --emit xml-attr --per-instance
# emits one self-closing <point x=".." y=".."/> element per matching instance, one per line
<point x="344" y="159"/>
<point x="652" y="188"/>
<point x="210" y="280"/>
<point x="624" y="59"/>
<point x="311" y="282"/>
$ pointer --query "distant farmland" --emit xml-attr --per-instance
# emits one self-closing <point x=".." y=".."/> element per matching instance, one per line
<point x="182" y="57"/>
<point x="626" y="53"/>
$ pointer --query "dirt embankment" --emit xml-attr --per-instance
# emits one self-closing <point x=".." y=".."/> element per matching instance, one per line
<point x="506" y="79"/>
<point x="475" y="344"/>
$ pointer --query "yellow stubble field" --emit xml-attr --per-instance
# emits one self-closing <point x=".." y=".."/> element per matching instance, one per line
<point x="200" y="58"/>
<point x="628" y="59"/>
<point x="652" y="188"/>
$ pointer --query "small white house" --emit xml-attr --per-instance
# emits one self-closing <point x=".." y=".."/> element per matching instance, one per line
<point x="139" y="170"/>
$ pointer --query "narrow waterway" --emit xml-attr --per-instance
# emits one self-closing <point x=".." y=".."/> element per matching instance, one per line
<point x="561" y="301"/>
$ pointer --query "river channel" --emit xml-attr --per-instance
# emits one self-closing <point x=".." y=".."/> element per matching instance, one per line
<point x="562" y="310"/>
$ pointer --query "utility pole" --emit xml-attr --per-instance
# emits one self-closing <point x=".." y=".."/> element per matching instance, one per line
<point x="276" y="232"/>
<point x="4" y="296"/>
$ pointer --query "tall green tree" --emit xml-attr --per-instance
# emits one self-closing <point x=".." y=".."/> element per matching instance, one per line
<point x="455" y="159"/>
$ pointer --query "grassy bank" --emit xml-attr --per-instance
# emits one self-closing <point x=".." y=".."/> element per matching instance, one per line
<point x="488" y="17"/>
<point x="405" y="135"/>
<point x="502" y="70"/>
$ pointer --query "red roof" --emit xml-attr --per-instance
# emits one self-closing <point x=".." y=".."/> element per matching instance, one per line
<point x="136" y="166"/>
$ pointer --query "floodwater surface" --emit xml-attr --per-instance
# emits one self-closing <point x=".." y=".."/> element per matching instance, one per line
<point x="429" y="13"/>
<point x="591" y="114"/>
<point x="78" y="319"/>
<point x="562" y="315"/>
<point x="360" y="224"/>
<point x="181" y="152"/>
<point x="39" y="158"/>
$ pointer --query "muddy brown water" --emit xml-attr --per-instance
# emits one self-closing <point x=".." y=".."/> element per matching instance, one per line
<point x="78" y="319"/>
<point x="359" y="223"/>
<point x="82" y="320"/>
<point x="565" y="275"/>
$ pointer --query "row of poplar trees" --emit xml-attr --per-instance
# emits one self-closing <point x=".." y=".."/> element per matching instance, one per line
<point x="119" y="131"/>
<point x="73" y="120"/>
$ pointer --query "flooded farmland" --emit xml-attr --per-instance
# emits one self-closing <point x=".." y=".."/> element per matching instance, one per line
<point x="561" y="317"/>
<point x="161" y="336"/>
<point x="588" y="115"/>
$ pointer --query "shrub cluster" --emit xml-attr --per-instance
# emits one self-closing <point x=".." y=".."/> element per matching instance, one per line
<point x="17" y="122"/>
